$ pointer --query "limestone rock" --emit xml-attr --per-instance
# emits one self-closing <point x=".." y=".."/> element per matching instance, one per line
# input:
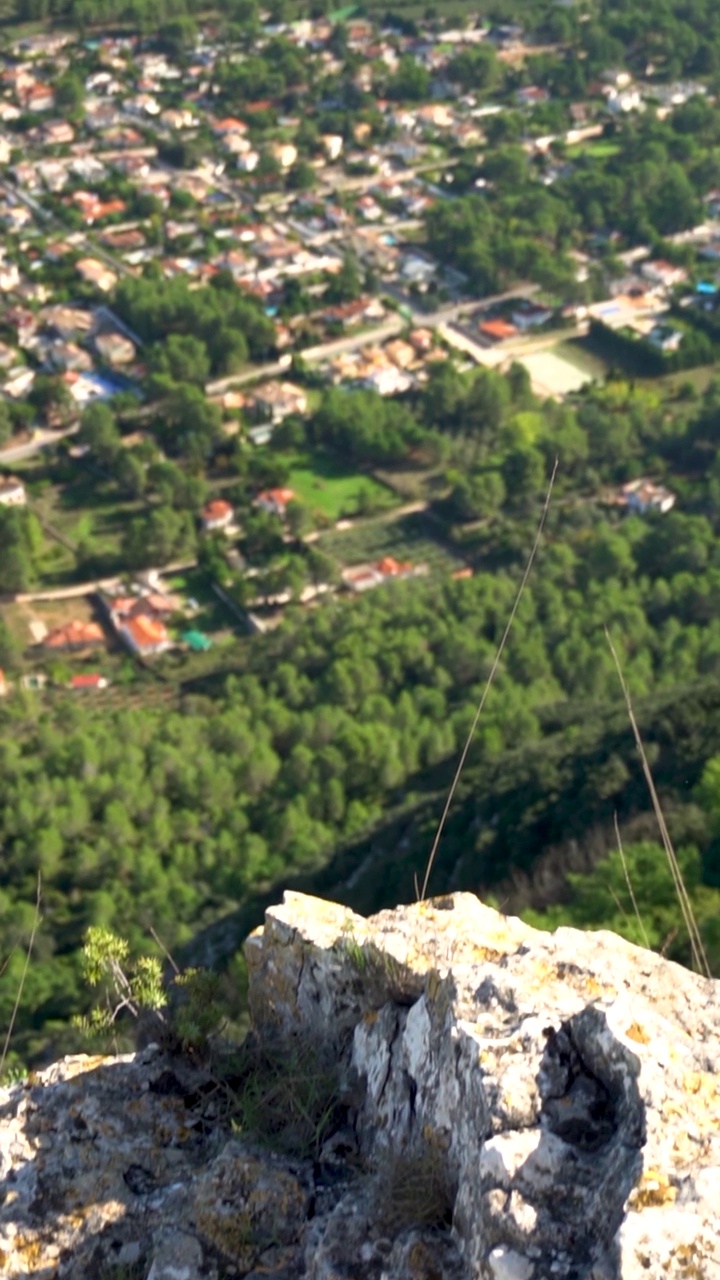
<point x="571" y="1079"/>
<point x="516" y="1106"/>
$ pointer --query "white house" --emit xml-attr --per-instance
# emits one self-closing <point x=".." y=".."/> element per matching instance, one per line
<point x="333" y="145"/>
<point x="658" y="271"/>
<point x="217" y="514"/>
<point x="663" y="337"/>
<point x="12" y="492"/>
<point x="275" y="501"/>
<point x="642" y="495"/>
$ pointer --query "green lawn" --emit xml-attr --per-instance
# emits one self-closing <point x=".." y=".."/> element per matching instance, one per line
<point x="329" y="489"/>
<point x="213" y="616"/>
<point x="596" y="148"/>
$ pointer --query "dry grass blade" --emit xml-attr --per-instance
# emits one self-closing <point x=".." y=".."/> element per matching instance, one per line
<point x="628" y="882"/>
<point x="18" y="997"/>
<point x="486" y="690"/>
<point x="699" y="957"/>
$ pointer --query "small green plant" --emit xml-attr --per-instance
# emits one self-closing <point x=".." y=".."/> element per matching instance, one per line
<point x="286" y="1095"/>
<point x="133" y="986"/>
<point x="386" y="980"/>
<point x="137" y="987"/>
<point x="199" y="1015"/>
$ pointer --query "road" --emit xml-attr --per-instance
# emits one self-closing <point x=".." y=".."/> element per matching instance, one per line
<point x="380" y="333"/>
<point x="41" y="438"/>
<point x="99" y="584"/>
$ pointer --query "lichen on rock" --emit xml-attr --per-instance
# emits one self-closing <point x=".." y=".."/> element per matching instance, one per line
<point x="516" y="1106"/>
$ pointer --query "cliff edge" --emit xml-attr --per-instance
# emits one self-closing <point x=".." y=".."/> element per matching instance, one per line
<point x="507" y="1104"/>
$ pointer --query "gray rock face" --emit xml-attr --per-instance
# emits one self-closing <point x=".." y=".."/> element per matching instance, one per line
<point x="571" y="1080"/>
<point x="516" y="1106"/>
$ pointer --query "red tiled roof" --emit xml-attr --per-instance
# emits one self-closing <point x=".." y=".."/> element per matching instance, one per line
<point x="217" y="509"/>
<point x="74" y="633"/>
<point x="146" y="632"/>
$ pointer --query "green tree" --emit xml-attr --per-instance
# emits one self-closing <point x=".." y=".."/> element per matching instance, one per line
<point x="99" y="431"/>
<point x="182" y="357"/>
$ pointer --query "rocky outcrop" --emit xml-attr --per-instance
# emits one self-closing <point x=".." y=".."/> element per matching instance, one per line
<point x="511" y="1105"/>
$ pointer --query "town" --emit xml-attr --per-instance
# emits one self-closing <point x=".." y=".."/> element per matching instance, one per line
<point x="239" y="269"/>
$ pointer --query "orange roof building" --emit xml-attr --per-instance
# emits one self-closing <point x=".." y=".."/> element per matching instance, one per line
<point x="498" y="330"/>
<point x="145" y="635"/>
<point x="217" y="514"/>
<point x="275" y="500"/>
<point x="389" y="567"/>
<point x="74" y="635"/>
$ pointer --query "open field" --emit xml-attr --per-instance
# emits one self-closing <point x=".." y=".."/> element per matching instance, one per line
<point x="562" y="369"/>
<point x="412" y="538"/>
<point x="328" y="489"/>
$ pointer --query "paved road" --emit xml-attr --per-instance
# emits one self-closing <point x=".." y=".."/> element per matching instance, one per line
<point x="388" y="329"/>
<point x="99" y="584"/>
<point x="40" y="440"/>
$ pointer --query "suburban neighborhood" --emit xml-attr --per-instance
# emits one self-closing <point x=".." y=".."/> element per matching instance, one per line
<point x="315" y="234"/>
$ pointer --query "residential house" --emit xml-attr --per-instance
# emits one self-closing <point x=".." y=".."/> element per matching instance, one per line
<point x="623" y="101"/>
<point x="115" y="349"/>
<point x="178" y="118"/>
<point x="616" y="77"/>
<point x="122" y="239"/>
<point x="284" y="153"/>
<point x="91" y="680"/>
<point x="96" y="273"/>
<point x="228" y="125"/>
<point x="402" y="354"/>
<point x="3" y="684"/>
<point x="641" y="496"/>
<point x="144" y="636"/>
<point x="667" y="274"/>
<point x="277" y="400"/>
<point x="333" y="145"/>
<point x="497" y="330"/>
<point x="57" y="133"/>
<point x="363" y="577"/>
<point x="217" y="514"/>
<point x="36" y="97"/>
<point x="19" y="384"/>
<point x="275" y="501"/>
<point x="532" y="96"/>
<point x="67" y="321"/>
<point x="369" y="208"/>
<point x="665" y="338"/>
<point x="73" y="636"/>
<point x="418" y="271"/>
<point x="248" y="161"/>
<point x="9" y="276"/>
<point x="8" y="355"/>
<point x="349" y="313"/>
<point x="436" y="115"/>
<point x="12" y="492"/>
<point x="529" y="315"/>
<point x="56" y="353"/>
<point x="387" y="381"/>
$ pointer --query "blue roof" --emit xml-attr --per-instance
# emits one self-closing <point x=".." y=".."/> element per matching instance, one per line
<point x="704" y="286"/>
